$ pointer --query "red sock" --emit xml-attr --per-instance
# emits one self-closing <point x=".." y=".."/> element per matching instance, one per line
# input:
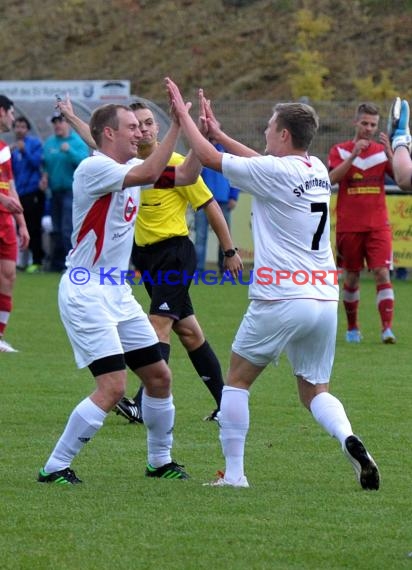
<point x="5" y="310"/>
<point x="385" y="300"/>
<point x="351" y="303"/>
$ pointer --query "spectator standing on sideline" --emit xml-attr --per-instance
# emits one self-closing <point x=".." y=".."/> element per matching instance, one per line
<point x="363" y="232"/>
<point x="106" y="326"/>
<point x="11" y="216"/>
<point x="226" y="196"/>
<point x="63" y="152"/>
<point x="27" y="156"/>
<point x="290" y="213"/>
<point x="162" y="245"/>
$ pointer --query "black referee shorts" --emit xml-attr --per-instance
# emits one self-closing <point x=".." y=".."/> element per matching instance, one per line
<point x="166" y="268"/>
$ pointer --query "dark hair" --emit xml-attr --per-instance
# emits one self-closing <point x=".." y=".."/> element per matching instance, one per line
<point x="300" y="120"/>
<point x="22" y="119"/>
<point x="105" y="116"/>
<point x="5" y="102"/>
<point x="367" y="109"/>
<point x="138" y="105"/>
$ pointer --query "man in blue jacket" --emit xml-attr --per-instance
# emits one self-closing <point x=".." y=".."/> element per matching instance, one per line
<point x="27" y="156"/>
<point x="226" y="196"/>
<point x="63" y="152"/>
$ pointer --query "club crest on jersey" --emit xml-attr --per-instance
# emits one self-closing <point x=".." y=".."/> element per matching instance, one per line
<point x="130" y="210"/>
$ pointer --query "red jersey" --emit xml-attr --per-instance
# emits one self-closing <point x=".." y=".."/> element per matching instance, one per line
<point x="6" y="173"/>
<point x="361" y="205"/>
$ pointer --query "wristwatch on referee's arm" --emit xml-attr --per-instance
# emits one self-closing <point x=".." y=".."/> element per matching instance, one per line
<point x="230" y="252"/>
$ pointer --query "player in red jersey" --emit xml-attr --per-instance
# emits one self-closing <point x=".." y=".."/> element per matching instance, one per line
<point x="11" y="216"/>
<point x="363" y="232"/>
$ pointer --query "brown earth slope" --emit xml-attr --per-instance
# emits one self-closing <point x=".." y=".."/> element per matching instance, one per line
<point x="235" y="52"/>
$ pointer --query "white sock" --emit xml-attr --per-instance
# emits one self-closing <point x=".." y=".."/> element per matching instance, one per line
<point x="330" y="413"/>
<point x="234" y="426"/>
<point x="159" y="417"/>
<point x="83" y="423"/>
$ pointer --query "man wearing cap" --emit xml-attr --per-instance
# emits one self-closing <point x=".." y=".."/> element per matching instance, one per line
<point x="63" y="152"/>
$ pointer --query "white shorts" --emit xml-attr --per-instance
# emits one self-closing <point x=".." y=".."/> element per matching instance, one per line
<point x="305" y="329"/>
<point x="102" y="320"/>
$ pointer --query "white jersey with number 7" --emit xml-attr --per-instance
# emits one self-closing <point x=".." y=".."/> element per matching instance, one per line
<point x="290" y="223"/>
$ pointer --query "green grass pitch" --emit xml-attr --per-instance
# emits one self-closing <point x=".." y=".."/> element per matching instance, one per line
<point x="304" y="509"/>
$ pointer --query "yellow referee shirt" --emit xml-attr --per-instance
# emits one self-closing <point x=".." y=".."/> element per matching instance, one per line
<point x="162" y="213"/>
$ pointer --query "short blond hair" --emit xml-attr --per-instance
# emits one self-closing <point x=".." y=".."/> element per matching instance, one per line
<point x="105" y="116"/>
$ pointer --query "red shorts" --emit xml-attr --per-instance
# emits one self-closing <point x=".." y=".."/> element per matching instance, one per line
<point x="8" y="237"/>
<point x="354" y="248"/>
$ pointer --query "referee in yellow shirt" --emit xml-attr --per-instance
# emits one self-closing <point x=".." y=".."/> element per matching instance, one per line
<point x="162" y="245"/>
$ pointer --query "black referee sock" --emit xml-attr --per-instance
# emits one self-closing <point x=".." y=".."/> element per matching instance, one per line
<point x="208" y="367"/>
<point x="165" y="352"/>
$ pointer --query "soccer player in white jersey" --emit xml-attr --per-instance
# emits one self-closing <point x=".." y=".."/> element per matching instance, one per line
<point x="106" y="326"/>
<point x="294" y="294"/>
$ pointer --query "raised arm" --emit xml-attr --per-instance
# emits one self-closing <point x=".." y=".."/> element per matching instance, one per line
<point x="203" y="149"/>
<point x="149" y="171"/>
<point x="82" y="128"/>
<point x="215" y="132"/>
<point x="402" y="167"/>
<point x="400" y="137"/>
<point x="189" y="170"/>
